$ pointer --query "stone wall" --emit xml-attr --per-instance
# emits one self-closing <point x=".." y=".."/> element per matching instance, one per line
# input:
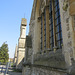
<point x="57" y="61"/>
<point x="42" y="71"/>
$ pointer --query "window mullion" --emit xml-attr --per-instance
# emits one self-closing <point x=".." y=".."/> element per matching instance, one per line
<point x="53" y="14"/>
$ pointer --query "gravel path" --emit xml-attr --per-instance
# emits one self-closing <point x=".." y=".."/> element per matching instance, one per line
<point x="10" y="72"/>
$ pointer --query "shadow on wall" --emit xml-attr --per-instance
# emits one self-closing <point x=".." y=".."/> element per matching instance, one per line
<point x="20" y="65"/>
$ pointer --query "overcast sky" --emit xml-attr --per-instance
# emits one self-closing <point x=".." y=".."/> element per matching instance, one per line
<point x="11" y="12"/>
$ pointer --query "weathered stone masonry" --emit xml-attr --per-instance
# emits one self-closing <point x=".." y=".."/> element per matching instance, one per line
<point x="21" y="44"/>
<point x="52" y="34"/>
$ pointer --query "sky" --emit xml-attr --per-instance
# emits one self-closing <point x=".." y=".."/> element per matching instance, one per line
<point x="11" y="13"/>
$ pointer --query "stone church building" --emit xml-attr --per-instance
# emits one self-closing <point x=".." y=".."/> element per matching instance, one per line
<point x="51" y="49"/>
<point x="50" y="44"/>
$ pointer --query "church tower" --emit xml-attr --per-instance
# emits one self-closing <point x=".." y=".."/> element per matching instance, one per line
<point x="21" y="44"/>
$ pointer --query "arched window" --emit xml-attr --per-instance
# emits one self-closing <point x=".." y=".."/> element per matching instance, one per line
<point x="55" y="32"/>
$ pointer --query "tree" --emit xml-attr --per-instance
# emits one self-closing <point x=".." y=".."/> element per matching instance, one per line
<point x="4" y="56"/>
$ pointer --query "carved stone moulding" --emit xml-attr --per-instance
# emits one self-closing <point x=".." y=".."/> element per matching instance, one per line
<point x="39" y="18"/>
<point x="72" y="7"/>
<point x="47" y="2"/>
<point x="71" y="1"/>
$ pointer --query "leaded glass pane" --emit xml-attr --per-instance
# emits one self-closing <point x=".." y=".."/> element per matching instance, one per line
<point x="58" y="24"/>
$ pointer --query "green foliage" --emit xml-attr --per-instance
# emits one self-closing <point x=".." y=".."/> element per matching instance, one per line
<point x="17" y="70"/>
<point x="4" y="56"/>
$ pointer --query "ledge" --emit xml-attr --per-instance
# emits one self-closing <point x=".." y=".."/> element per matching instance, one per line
<point x="51" y="59"/>
<point x="69" y="71"/>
